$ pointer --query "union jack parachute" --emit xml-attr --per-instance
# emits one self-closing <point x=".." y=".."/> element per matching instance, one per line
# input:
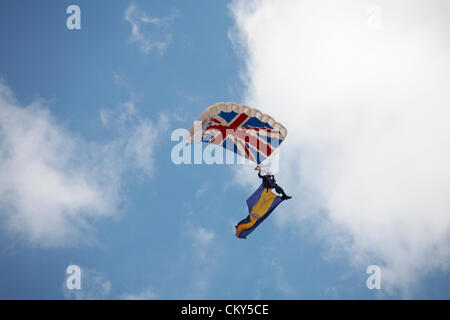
<point x="243" y="130"/>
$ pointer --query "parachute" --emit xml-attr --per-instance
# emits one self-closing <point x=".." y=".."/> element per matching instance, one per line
<point x="250" y="134"/>
<point x="236" y="127"/>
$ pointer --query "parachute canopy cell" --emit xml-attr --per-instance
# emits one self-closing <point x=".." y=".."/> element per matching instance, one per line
<point x="236" y="127"/>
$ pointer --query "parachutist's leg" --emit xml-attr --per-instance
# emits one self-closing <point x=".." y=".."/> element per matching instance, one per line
<point x="280" y="190"/>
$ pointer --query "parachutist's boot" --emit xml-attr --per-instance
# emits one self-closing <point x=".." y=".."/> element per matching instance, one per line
<point x="285" y="197"/>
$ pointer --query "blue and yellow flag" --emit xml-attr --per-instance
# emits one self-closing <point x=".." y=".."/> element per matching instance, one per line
<point x="260" y="205"/>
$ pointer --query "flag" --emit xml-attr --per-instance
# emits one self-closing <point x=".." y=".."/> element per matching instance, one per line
<point x="260" y="205"/>
<point x="242" y="134"/>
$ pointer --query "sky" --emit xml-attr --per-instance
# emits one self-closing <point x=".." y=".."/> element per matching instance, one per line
<point x="87" y="178"/>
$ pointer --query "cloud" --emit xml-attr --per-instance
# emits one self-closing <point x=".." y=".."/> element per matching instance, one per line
<point x="200" y="237"/>
<point x="204" y="254"/>
<point x="144" y="295"/>
<point x="140" y="33"/>
<point x="138" y="136"/>
<point x="119" y="116"/>
<point x="364" y="95"/>
<point x="281" y="283"/>
<point x="54" y="184"/>
<point x="203" y="237"/>
<point x="201" y="190"/>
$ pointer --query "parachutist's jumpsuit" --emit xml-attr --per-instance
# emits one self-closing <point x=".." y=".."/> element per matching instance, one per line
<point x="269" y="183"/>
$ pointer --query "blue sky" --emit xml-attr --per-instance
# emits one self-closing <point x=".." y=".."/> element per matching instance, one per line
<point x="159" y="230"/>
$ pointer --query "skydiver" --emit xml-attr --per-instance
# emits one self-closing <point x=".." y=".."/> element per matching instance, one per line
<point x="269" y="182"/>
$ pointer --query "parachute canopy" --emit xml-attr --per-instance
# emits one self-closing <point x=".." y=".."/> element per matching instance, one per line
<point x="243" y="130"/>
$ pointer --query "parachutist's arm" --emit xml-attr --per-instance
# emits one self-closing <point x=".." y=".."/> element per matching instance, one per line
<point x="259" y="175"/>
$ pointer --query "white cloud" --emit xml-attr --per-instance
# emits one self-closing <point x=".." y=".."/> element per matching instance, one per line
<point x="201" y="190"/>
<point x="205" y="257"/>
<point x="201" y="238"/>
<point x="140" y="33"/>
<point x="53" y="183"/>
<point x="119" y="116"/>
<point x="144" y="295"/>
<point x="138" y="136"/>
<point x="281" y="283"/>
<point x="367" y="112"/>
